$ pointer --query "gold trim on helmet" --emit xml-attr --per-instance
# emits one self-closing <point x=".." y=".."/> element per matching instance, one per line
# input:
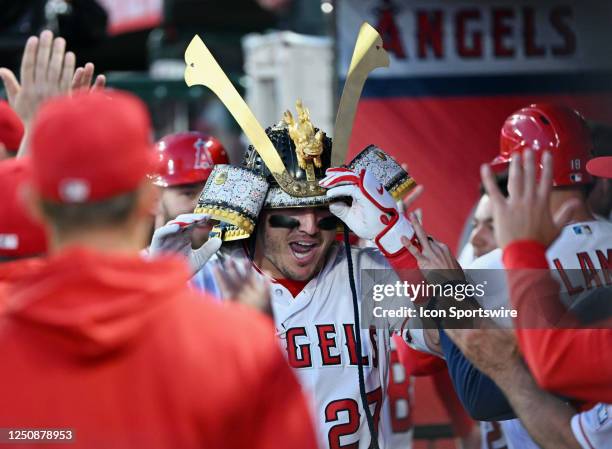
<point x="229" y="216"/>
<point x="402" y="189"/>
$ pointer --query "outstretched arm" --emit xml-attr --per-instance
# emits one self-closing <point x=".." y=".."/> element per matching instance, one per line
<point x="47" y="70"/>
<point x="494" y="352"/>
<point x="478" y="393"/>
<point x="546" y="417"/>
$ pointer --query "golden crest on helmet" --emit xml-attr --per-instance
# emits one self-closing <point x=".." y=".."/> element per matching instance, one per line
<point x="308" y="144"/>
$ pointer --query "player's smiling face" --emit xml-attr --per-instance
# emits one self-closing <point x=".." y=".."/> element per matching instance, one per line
<point x="293" y="243"/>
<point x="482" y="237"/>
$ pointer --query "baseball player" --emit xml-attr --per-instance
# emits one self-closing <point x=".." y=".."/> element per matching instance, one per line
<point x="294" y="246"/>
<point x="593" y="428"/>
<point x="187" y="159"/>
<point x="563" y="132"/>
<point x="551" y="421"/>
<point x="582" y="367"/>
<point x="110" y="349"/>
<point x="22" y="237"/>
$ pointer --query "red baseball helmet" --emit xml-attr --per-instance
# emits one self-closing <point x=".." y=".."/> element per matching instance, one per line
<point x="187" y="158"/>
<point x="560" y="130"/>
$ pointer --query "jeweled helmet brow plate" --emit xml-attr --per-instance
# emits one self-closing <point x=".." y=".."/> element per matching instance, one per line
<point x="234" y="195"/>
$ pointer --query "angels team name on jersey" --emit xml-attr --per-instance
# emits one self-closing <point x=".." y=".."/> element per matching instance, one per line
<point x="328" y="344"/>
<point x="595" y="274"/>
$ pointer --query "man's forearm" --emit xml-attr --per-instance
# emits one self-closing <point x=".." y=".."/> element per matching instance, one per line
<point x="479" y="394"/>
<point x="546" y="418"/>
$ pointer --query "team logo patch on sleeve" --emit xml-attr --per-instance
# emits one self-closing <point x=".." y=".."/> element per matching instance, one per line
<point x="582" y="230"/>
<point x="602" y="414"/>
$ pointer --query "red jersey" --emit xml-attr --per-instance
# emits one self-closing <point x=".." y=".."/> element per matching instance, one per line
<point x="574" y="363"/>
<point x="11" y="271"/>
<point x="122" y="352"/>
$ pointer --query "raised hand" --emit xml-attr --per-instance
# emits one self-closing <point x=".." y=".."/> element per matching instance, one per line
<point x="175" y="237"/>
<point x="240" y="283"/>
<point x="46" y="70"/>
<point x="526" y="213"/>
<point x="434" y="258"/>
<point x="83" y="77"/>
<point x="373" y="213"/>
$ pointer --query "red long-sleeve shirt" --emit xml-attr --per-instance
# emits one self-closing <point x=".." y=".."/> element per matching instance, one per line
<point x="567" y="361"/>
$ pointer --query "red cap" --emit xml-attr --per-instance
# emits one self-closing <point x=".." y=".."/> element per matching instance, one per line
<point x="187" y="158"/>
<point x="20" y="234"/>
<point x="600" y="167"/>
<point x="91" y="147"/>
<point x="11" y="128"/>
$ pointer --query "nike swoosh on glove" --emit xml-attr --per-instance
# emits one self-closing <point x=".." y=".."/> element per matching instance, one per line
<point x="373" y="214"/>
<point x="175" y="237"/>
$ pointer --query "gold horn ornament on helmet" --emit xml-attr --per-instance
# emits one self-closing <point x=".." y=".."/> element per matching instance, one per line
<point x="368" y="54"/>
<point x="203" y="69"/>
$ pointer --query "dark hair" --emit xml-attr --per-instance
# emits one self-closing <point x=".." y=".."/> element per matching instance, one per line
<point x="70" y="217"/>
<point x="502" y="184"/>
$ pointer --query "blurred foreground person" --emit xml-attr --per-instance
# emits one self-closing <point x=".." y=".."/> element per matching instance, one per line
<point x="115" y="349"/>
<point x="11" y="131"/>
<point x="22" y="238"/>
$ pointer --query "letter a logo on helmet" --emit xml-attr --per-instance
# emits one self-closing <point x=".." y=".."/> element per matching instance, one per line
<point x="187" y="158"/>
<point x="558" y="129"/>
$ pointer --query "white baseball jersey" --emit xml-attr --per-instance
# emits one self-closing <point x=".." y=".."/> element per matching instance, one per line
<point x="516" y="435"/>
<point x="400" y="392"/>
<point x="205" y="281"/>
<point x="593" y="428"/>
<point x="583" y="248"/>
<point x="317" y="331"/>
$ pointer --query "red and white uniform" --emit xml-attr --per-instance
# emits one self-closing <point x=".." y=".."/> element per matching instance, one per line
<point x="316" y="329"/>
<point x="581" y="247"/>
<point x="593" y="428"/>
<point x="400" y="392"/>
<point x="492" y="435"/>
<point x="573" y="363"/>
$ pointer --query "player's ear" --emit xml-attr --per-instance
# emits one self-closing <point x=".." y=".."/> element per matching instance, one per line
<point x="147" y="199"/>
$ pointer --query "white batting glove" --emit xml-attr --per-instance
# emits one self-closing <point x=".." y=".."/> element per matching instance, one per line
<point x="373" y="215"/>
<point x="175" y="237"/>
